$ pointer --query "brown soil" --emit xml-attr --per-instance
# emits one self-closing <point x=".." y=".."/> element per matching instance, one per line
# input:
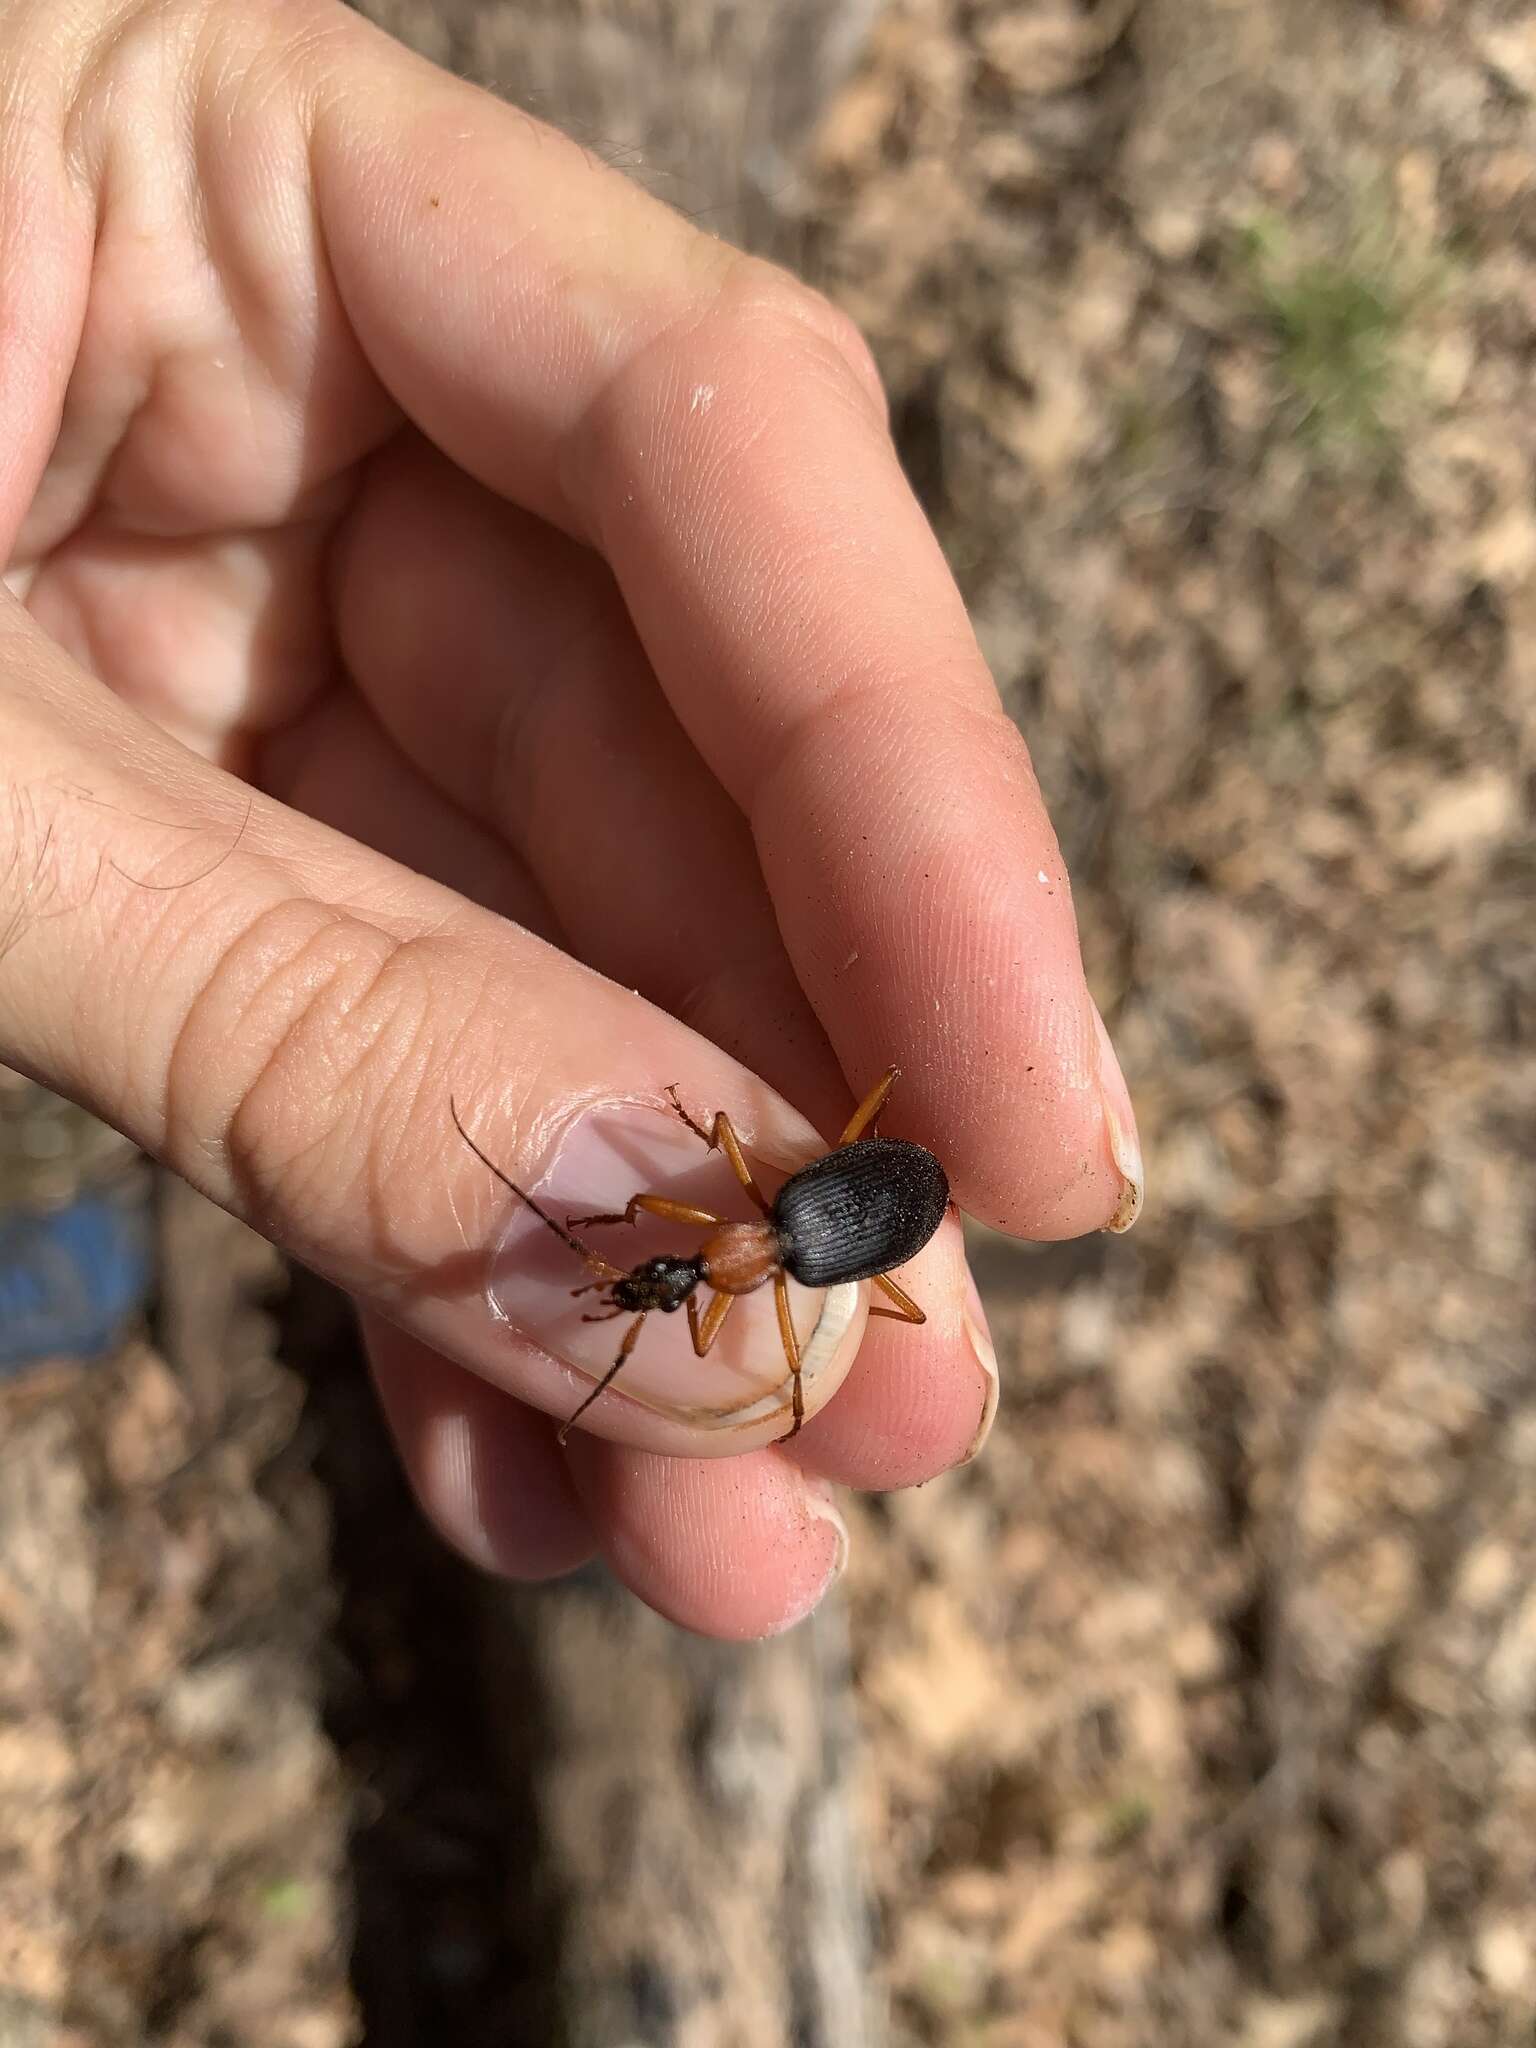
<point x="1202" y="1709"/>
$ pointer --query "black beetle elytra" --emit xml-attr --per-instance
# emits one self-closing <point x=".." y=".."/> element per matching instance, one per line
<point x="863" y="1208"/>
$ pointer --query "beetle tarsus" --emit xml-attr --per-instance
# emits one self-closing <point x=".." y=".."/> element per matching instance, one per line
<point x="670" y="1091"/>
<point x="722" y="1138"/>
<point x="654" y="1205"/>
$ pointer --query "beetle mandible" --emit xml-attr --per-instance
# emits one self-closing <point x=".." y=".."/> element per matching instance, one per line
<point x="867" y="1206"/>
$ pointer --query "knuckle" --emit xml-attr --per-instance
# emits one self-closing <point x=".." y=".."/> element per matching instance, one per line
<point x="774" y="334"/>
<point x="795" y="315"/>
<point x="297" y="1070"/>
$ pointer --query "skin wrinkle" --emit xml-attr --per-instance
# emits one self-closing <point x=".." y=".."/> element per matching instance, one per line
<point x="152" y="940"/>
<point x="746" y="400"/>
<point x="805" y="736"/>
<point x="286" y="961"/>
<point x="353" y="939"/>
<point x="361" y="1123"/>
<point x="403" y="1041"/>
<point x="153" y="911"/>
<point x="88" y="45"/>
<point x="837" y="344"/>
<point x="586" y="454"/>
<point x="836" y="683"/>
<point x="413" y="1052"/>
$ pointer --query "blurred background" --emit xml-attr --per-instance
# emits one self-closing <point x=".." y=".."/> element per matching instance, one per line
<point x="1203" y="1709"/>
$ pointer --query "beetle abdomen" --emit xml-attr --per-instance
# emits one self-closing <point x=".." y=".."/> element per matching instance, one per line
<point x="860" y="1211"/>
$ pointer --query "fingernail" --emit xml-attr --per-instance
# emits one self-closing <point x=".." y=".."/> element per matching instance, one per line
<point x="819" y="1507"/>
<point x="610" y="1154"/>
<point x="1120" y="1127"/>
<point x="979" y="1337"/>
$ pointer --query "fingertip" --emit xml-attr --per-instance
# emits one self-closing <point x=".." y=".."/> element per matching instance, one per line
<point x="919" y="1400"/>
<point x="940" y="931"/>
<point x="1043" y="1140"/>
<point x="738" y="1550"/>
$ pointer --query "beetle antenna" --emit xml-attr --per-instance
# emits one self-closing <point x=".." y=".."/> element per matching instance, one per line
<point x="598" y="1265"/>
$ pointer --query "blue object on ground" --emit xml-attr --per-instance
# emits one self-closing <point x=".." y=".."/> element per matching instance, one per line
<point x="70" y="1281"/>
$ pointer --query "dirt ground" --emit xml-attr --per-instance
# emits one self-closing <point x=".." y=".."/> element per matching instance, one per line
<point x="1202" y="1709"/>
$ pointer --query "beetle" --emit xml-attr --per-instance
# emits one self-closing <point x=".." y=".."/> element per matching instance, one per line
<point x="868" y="1205"/>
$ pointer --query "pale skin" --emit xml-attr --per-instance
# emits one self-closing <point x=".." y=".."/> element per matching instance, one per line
<point x="439" y="572"/>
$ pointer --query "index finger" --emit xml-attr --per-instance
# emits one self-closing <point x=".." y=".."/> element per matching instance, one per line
<point x="716" y="431"/>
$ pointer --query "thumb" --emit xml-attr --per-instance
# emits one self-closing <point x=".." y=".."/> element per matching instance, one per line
<point x="282" y="1017"/>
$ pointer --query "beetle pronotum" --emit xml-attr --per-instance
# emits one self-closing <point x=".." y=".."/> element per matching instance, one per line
<point x="861" y="1209"/>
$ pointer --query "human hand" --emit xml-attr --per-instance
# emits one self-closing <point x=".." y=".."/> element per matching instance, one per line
<point x="472" y="636"/>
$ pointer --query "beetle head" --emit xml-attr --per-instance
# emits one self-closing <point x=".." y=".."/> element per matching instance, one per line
<point x="663" y="1283"/>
